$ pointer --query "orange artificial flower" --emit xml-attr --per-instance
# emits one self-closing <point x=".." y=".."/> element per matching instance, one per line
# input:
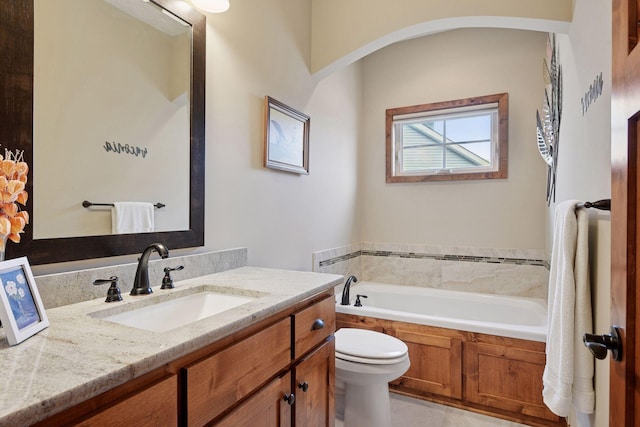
<point x="23" y="196"/>
<point x="10" y="209"/>
<point x="5" y="225"/>
<point x="13" y="179"/>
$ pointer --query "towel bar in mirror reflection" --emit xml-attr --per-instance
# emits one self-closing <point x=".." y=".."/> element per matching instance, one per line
<point x="87" y="204"/>
<point x="17" y="27"/>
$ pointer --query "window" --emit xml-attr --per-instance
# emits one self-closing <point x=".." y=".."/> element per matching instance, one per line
<point x="446" y="141"/>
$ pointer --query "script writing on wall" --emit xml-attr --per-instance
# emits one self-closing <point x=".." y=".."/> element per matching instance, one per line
<point x="116" y="147"/>
<point x="592" y="94"/>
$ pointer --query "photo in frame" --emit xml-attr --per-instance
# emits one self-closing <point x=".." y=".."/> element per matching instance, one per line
<point x="286" y="138"/>
<point x="21" y="310"/>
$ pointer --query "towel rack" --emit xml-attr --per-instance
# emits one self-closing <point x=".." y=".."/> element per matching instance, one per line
<point x="87" y="204"/>
<point x="603" y="205"/>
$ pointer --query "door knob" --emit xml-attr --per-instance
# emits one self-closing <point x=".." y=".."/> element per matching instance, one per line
<point x="598" y="345"/>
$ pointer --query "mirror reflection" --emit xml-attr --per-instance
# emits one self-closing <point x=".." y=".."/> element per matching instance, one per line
<point x="111" y="114"/>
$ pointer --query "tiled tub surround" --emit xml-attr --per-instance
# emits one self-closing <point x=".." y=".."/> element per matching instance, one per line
<point x="69" y="288"/>
<point x="80" y="356"/>
<point x="519" y="272"/>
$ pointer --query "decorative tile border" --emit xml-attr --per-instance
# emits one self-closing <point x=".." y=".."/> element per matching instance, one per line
<point x="439" y="257"/>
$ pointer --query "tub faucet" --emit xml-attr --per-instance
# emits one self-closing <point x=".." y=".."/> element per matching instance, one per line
<point x="141" y="282"/>
<point x="345" y="290"/>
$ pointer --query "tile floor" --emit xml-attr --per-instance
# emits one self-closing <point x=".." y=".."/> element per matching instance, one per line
<point x="409" y="412"/>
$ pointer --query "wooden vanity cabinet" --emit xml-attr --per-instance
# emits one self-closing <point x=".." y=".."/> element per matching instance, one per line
<point x="302" y="394"/>
<point x="285" y="372"/>
<point x="275" y="373"/>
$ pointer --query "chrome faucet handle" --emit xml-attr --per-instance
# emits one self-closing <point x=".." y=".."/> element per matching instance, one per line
<point x="113" y="293"/>
<point x="167" y="281"/>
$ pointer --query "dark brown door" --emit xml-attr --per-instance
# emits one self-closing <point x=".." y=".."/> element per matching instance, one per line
<point x="625" y="98"/>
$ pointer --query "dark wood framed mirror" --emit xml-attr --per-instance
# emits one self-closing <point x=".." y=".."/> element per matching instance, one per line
<point x="16" y="132"/>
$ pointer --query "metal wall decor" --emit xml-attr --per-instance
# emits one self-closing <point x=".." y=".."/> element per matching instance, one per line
<point x="548" y="126"/>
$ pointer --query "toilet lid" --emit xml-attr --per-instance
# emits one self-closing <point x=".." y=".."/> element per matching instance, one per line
<point x="364" y="344"/>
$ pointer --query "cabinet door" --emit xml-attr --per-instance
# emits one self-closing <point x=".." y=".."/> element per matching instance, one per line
<point x="156" y="405"/>
<point x="267" y="408"/>
<point x="505" y="377"/>
<point x="436" y="363"/>
<point x="314" y="385"/>
<point x="216" y="383"/>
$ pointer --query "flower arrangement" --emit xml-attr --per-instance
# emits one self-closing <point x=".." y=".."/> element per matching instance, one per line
<point x="13" y="179"/>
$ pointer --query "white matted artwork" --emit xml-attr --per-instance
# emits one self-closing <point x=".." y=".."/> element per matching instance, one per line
<point x="286" y="138"/>
<point x="21" y="310"/>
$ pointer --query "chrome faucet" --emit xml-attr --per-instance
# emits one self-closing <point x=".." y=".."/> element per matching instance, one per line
<point x="141" y="282"/>
<point x="345" y="290"/>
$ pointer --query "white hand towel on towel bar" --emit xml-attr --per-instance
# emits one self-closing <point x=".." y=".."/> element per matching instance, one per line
<point x="568" y="373"/>
<point x="132" y="217"/>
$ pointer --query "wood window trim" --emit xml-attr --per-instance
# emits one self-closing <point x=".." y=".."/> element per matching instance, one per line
<point x="503" y="138"/>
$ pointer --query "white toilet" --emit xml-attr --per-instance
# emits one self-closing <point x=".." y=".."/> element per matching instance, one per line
<point x="365" y="363"/>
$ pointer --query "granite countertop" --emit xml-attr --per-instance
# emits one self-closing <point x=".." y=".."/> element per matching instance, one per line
<point x="80" y="356"/>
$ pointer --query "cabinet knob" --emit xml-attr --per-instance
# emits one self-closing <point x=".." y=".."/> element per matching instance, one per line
<point x="303" y="386"/>
<point x="318" y="324"/>
<point x="290" y="398"/>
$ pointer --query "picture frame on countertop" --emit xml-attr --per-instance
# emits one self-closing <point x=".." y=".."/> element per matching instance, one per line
<point x="21" y="310"/>
<point x="286" y="138"/>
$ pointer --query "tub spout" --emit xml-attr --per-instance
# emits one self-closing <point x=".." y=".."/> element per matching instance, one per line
<point x="345" y="290"/>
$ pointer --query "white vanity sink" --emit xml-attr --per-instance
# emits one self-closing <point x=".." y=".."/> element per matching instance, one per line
<point x="176" y="312"/>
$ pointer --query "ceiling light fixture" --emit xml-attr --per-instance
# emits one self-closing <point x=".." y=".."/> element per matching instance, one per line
<point x="212" y="6"/>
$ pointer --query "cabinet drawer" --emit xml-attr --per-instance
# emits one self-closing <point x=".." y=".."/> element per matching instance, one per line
<point x="219" y="381"/>
<point x="156" y="405"/>
<point x="308" y="332"/>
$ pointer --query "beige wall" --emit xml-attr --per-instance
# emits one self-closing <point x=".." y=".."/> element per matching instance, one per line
<point x="261" y="48"/>
<point x="584" y="168"/>
<point x="336" y="41"/>
<point x="504" y="213"/>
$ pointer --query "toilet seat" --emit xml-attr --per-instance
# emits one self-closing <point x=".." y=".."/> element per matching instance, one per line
<point x="370" y="347"/>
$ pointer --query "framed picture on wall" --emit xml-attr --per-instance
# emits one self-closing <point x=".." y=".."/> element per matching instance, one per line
<point x="286" y="138"/>
<point x="21" y="310"/>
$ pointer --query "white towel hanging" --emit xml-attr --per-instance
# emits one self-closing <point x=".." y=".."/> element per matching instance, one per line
<point x="132" y="217"/>
<point x="568" y="373"/>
